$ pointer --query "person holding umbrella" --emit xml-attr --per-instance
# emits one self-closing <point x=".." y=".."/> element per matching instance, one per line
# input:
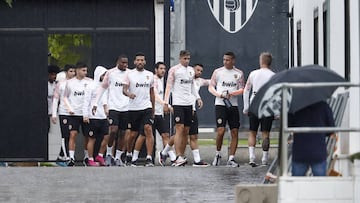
<point x="256" y="80"/>
<point x="309" y="149"/>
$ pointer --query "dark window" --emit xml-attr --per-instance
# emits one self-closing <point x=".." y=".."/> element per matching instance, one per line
<point x="316" y="36"/>
<point x="325" y="35"/>
<point x="298" y="42"/>
<point x="292" y="38"/>
<point x="347" y="40"/>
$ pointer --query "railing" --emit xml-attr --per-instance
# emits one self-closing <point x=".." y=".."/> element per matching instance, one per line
<point x="285" y="130"/>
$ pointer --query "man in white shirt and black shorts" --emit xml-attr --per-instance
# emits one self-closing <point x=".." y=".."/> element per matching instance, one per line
<point x="181" y="83"/>
<point x="256" y="80"/>
<point x="229" y="82"/>
<point x="117" y="105"/>
<point x="139" y="87"/>
<point x="74" y="100"/>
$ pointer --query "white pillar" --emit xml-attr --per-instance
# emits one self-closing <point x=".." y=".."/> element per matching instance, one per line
<point x="159" y="31"/>
<point x="355" y="74"/>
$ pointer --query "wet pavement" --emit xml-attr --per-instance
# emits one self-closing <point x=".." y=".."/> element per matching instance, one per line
<point x="129" y="184"/>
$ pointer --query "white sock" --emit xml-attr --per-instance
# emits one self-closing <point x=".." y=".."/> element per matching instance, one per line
<point x="149" y="157"/>
<point x="128" y="154"/>
<point x="166" y="149"/>
<point x="91" y="158"/>
<point x="196" y="155"/>
<point x="217" y="153"/>
<point x="231" y="157"/>
<point x="135" y="155"/>
<point x="101" y="155"/>
<point x="118" y="154"/>
<point x="265" y="156"/>
<point x="252" y="154"/>
<point x="172" y="155"/>
<point x="108" y="150"/>
<point x="72" y="153"/>
<point x="86" y="153"/>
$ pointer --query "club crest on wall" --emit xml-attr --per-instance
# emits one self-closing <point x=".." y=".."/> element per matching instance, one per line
<point x="232" y="15"/>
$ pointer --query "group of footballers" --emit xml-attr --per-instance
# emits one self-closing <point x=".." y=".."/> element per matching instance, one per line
<point x="123" y="107"/>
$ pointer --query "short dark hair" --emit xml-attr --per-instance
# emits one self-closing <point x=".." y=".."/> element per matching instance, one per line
<point x="184" y="53"/>
<point x="80" y="65"/>
<point x="121" y="56"/>
<point x="53" y="69"/>
<point x="139" y="54"/>
<point x="67" y="67"/>
<point x="231" y="54"/>
<point x="266" y="58"/>
<point x="158" y="64"/>
<point x="199" y="64"/>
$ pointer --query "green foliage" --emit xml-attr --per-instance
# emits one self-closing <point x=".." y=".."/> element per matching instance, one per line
<point x="9" y="3"/>
<point x="66" y="48"/>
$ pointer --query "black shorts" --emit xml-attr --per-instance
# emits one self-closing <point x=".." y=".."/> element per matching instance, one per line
<point x="265" y="123"/>
<point x="64" y="126"/>
<point x="140" y="118"/>
<point x="230" y="115"/>
<point x="183" y="115"/>
<point x="194" y="127"/>
<point x="75" y="122"/>
<point x="119" y="118"/>
<point x="96" y="128"/>
<point x="162" y="123"/>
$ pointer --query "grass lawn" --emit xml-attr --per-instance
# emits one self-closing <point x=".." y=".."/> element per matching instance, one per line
<point x="205" y="142"/>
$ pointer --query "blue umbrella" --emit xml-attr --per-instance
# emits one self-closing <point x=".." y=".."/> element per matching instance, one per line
<point x="267" y="101"/>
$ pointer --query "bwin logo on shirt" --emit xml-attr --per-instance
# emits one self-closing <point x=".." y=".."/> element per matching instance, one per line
<point x="182" y="81"/>
<point x="117" y="84"/>
<point x="228" y="84"/>
<point x="142" y="85"/>
<point x="232" y="15"/>
<point x="82" y="93"/>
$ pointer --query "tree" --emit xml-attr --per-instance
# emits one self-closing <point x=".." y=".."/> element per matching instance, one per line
<point x="9" y="2"/>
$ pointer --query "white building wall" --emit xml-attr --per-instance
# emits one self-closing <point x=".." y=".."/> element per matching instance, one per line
<point x="159" y="31"/>
<point x="355" y="73"/>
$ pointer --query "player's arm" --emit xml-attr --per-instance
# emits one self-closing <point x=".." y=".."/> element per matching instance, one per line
<point x="152" y="99"/>
<point x="212" y="85"/>
<point x="169" y="84"/>
<point x="246" y="95"/>
<point x="240" y="85"/>
<point x="100" y="91"/>
<point x="65" y="98"/>
<point x="55" y="103"/>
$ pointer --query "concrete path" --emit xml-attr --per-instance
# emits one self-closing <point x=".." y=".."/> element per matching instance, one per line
<point x="129" y="184"/>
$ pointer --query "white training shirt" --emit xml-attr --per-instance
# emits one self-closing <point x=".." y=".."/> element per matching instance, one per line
<point x="227" y="80"/>
<point x="181" y="79"/>
<point x="159" y="90"/>
<point x="140" y="83"/>
<point x="114" y="81"/>
<point x="198" y="83"/>
<point x="59" y="93"/>
<point x="90" y="99"/>
<point x="257" y="78"/>
<point x="74" y="95"/>
<point x="51" y="90"/>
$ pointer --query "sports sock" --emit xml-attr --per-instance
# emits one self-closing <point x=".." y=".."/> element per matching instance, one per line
<point x="128" y="154"/>
<point x="72" y="153"/>
<point x="149" y="157"/>
<point x="265" y="156"/>
<point x="135" y="155"/>
<point x="196" y="155"/>
<point x="231" y="157"/>
<point x="118" y="154"/>
<point x="172" y="155"/>
<point x="101" y="155"/>
<point x="252" y="154"/>
<point x="108" y="151"/>
<point x="217" y="153"/>
<point x="86" y="154"/>
<point x="91" y="159"/>
<point x="166" y="149"/>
